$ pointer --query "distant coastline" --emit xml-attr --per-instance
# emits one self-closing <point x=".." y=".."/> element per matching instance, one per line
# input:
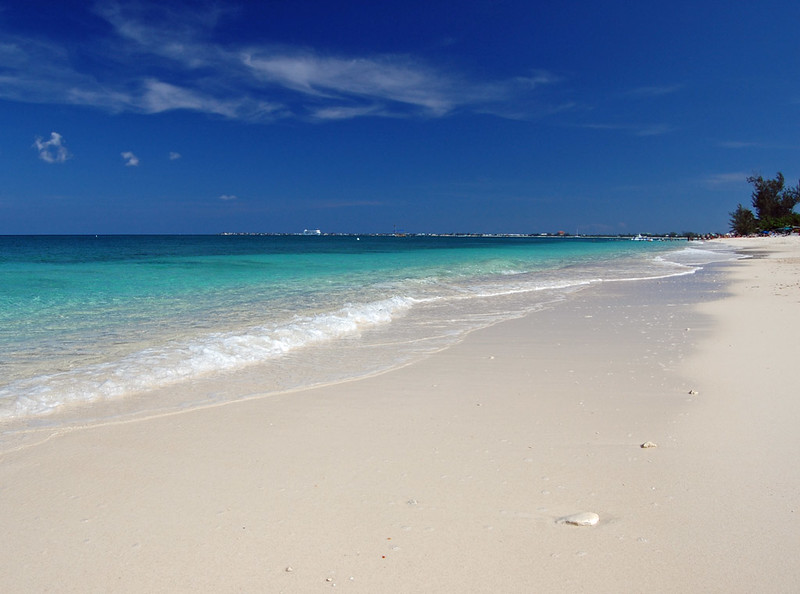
<point x="559" y="235"/>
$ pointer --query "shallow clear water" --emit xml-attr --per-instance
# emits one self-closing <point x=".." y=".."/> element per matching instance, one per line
<point x="163" y="321"/>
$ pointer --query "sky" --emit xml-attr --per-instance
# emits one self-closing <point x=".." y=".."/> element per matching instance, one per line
<point x="492" y="116"/>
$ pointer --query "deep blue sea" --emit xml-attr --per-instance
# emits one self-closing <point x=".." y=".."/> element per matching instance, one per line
<point x="112" y="325"/>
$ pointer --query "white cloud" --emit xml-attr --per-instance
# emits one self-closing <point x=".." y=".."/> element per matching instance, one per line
<point x="160" y="58"/>
<point x="383" y="78"/>
<point x="131" y="160"/>
<point x="160" y="96"/>
<point x="164" y="29"/>
<point x="53" y="150"/>
<point x="635" y="129"/>
<point x="719" y="179"/>
<point x="656" y="90"/>
<point x="735" y="144"/>
<point x="343" y="113"/>
<point x="173" y="156"/>
<point x="228" y="197"/>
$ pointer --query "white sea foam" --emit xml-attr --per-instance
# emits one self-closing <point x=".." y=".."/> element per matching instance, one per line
<point x="698" y="256"/>
<point x="158" y="367"/>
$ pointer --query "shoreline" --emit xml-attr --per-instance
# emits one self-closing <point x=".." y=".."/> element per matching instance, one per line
<point x="424" y="329"/>
<point x="415" y="309"/>
<point x="450" y="474"/>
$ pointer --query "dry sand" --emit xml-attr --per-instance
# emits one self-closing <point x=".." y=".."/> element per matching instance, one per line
<point x="454" y="474"/>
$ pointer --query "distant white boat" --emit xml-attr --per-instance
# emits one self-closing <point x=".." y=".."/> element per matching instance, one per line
<point x="640" y="237"/>
<point x="312" y="232"/>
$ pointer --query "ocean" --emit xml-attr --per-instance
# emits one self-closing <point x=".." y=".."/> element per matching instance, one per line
<point x="94" y="328"/>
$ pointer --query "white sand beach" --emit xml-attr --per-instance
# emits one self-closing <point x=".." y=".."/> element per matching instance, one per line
<point x="453" y="474"/>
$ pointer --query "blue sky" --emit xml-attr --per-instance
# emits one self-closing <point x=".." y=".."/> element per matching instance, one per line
<point x="488" y="116"/>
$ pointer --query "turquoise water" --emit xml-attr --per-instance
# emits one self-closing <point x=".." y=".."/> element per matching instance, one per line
<point x="139" y="319"/>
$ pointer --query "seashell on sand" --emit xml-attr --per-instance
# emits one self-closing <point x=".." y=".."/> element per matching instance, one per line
<point x="648" y="444"/>
<point x="580" y="519"/>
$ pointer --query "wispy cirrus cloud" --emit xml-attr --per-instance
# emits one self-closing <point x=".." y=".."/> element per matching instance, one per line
<point x="360" y="85"/>
<point x="747" y="144"/>
<point x="656" y="90"/>
<point x="634" y="129"/>
<point x="333" y="204"/>
<point x="165" y="29"/>
<point x="228" y="197"/>
<point x="744" y="144"/>
<point x="626" y="124"/>
<point x="159" y="58"/>
<point x="652" y="129"/>
<point x="724" y="179"/>
<point x="52" y="150"/>
<point x="736" y="144"/>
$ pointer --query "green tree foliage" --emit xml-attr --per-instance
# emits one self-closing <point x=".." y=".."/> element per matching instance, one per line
<point x="774" y="204"/>
<point x="743" y="221"/>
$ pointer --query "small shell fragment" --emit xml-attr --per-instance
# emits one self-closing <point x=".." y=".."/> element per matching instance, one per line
<point x="648" y="444"/>
<point x="693" y="392"/>
<point x="580" y="519"/>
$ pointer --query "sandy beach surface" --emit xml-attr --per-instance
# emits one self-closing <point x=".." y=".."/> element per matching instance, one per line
<point x="454" y="474"/>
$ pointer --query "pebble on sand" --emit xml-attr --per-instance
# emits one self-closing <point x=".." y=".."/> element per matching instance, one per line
<point x="580" y="519"/>
<point x="648" y="444"/>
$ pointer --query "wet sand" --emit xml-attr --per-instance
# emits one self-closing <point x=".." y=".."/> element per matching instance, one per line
<point x="456" y="473"/>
